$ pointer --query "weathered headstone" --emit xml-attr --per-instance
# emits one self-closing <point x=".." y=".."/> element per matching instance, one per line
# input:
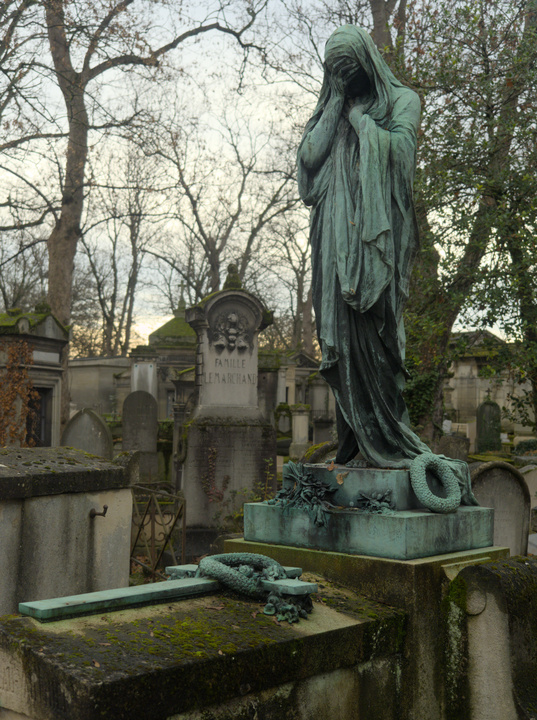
<point x="227" y="377"/>
<point x="140" y="431"/>
<point x="88" y="431"/>
<point x="530" y="476"/>
<point x="488" y="427"/>
<point x="500" y="486"/>
<point x="453" y="446"/>
<point x="230" y="448"/>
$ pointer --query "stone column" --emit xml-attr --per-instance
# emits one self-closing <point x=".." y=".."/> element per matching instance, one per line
<point x="301" y="422"/>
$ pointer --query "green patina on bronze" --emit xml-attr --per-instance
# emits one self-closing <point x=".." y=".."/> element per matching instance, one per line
<point x="356" y="165"/>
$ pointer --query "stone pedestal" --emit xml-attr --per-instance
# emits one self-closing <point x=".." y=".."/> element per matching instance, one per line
<point x="434" y="646"/>
<point x="228" y="450"/>
<point x="408" y="531"/>
<point x="403" y="535"/>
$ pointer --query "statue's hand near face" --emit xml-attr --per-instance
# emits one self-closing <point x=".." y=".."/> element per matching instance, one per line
<point x="355" y="109"/>
<point x="337" y="86"/>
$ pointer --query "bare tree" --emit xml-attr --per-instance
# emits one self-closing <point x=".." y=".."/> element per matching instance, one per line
<point x="23" y="270"/>
<point x="88" y="42"/>
<point x="76" y="52"/>
<point x="123" y="221"/>
<point x="225" y="201"/>
<point x="284" y="281"/>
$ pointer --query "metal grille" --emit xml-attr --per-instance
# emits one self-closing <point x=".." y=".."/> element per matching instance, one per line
<point x="158" y="525"/>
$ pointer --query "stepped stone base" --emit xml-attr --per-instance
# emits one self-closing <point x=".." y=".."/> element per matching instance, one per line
<point x="402" y="535"/>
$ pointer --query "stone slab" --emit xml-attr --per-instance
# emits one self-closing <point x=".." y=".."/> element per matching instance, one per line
<point x="117" y="599"/>
<point x="419" y="588"/>
<point x="28" y="472"/>
<point x="348" y="483"/>
<point x="158" y="662"/>
<point x="140" y="422"/>
<point x="387" y="580"/>
<point x="403" y="535"/>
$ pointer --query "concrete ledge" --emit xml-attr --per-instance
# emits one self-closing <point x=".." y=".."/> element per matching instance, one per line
<point x="389" y="581"/>
<point x="156" y="663"/>
<point x="31" y="472"/>
<point x="402" y="535"/>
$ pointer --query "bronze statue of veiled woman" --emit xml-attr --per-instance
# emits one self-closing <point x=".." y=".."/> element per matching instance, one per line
<point x="356" y="165"/>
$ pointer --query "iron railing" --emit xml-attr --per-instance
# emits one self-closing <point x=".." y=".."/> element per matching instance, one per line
<point x="158" y="522"/>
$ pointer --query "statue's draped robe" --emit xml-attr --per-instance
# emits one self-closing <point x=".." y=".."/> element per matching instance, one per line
<point x="363" y="240"/>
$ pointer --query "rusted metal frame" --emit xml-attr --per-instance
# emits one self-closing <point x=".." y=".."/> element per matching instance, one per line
<point x="140" y="528"/>
<point x="154" y="573"/>
<point x="153" y="501"/>
<point x="176" y="518"/>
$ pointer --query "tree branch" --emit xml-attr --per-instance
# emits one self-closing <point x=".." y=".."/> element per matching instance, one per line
<point x="21" y="250"/>
<point x="152" y="60"/>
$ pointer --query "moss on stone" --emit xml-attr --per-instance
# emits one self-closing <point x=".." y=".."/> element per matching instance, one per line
<point x="268" y="361"/>
<point x="493" y="457"/>
<point x="299" y="407"/>
<point x="175" y="329"/>
<point x="26" y="472"/>
<point x="313" y="449"/>
<point x="456" y="649"/>
<point x="167" y="659"/>
<point x="233" y="280"/>
<point x="10" y="319"/>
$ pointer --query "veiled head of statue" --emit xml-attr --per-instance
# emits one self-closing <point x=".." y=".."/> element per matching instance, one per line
<point x="348" y="53"/>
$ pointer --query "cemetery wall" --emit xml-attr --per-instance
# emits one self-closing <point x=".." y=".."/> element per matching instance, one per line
<point x="51" y="546"/>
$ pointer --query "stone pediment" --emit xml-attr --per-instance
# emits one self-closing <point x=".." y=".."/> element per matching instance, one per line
<point x="302" y="359"/>
<point x="39" y="324"/>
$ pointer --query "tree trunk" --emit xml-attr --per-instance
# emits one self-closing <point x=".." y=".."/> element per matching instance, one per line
<point x="63" y="239"/>
<point x="381" y="12"/>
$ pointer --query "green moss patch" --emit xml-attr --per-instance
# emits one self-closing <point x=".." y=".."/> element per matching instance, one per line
<point x="158" y="661"/>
